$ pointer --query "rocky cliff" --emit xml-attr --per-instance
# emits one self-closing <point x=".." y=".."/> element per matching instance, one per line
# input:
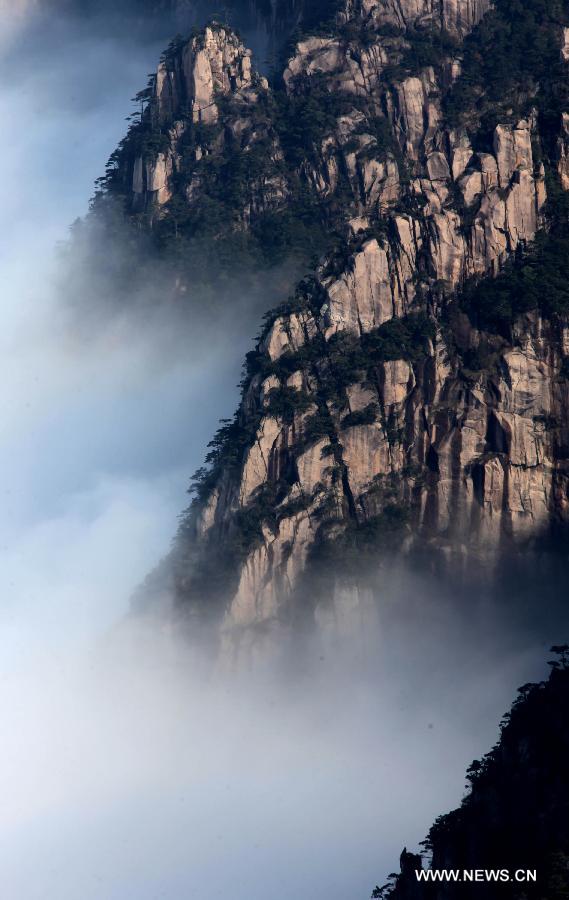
<point x="515" y="816"/>
<point x="411" y="396"/>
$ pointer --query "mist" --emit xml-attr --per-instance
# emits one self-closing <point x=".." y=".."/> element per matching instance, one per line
<point x="126" y="773"/>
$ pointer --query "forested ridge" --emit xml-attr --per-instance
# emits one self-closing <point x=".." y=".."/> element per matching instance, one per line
<point x="515" y="815"/>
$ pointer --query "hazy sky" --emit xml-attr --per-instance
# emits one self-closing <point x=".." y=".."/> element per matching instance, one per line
<point x="123" y="777"/>
<point x="98" y="430"/>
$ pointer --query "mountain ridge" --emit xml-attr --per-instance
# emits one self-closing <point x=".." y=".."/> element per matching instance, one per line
<point x="390" y="405"/>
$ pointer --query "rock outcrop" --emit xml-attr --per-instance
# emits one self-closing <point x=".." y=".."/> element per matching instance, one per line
<point x="189" y="85"/>
<point x="379" y="412"/>
<point x="213" y="67"/>
<point x="454" y="16"/>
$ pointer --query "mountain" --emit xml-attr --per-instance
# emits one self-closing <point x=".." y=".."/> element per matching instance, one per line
<point x="516" y="814"/>
<point x="408" y="397"/>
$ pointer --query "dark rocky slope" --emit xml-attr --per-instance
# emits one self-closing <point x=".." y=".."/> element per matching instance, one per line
<point x="516" y="814"/>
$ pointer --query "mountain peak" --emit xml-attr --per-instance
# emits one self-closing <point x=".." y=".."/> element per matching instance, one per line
<point x="410" y="395"/>
<point x="212" y="64"/>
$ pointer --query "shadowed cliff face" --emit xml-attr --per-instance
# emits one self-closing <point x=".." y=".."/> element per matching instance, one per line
<point x="397" y="402"/>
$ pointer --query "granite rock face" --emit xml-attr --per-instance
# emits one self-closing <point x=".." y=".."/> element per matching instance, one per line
<point x="215" y="66"/>
<point x="186" y="91"/>
<point x="477" y="460"/>
<point x="455" y="16"/>
<point x="214" y="63"/>
<point x="476" y="457"/>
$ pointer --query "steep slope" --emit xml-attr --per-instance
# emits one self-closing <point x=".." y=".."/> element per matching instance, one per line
<point x="244" y="171"/>
<point x="401" y="399"/>
<point x="516" y="814"/>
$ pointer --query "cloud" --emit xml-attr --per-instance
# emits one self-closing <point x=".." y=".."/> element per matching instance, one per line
<point x="14" y="15"/>
<point x="127" y="774"/>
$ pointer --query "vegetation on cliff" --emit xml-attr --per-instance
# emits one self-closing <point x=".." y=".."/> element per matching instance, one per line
<point x="536" y="279"/>
<point x="510" y="62"/>
<point x="515" y="815"/>
<point x="375" y="160"/>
